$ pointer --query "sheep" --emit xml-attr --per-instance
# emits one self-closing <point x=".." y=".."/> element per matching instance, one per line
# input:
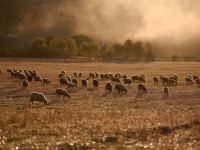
<point x="71" y="84"/>
<point x="142" y="89"/>
<point x="165" y="80"/>
<point x="172" y="82"/>
<point x="75" y="74"/>
<point x="33" y="73"/>
<point x="9" y="70"/>
<point x="176" y="76"/>
<point x="108" y="87"/>
<point x="84" y="83"/>
<point x="25" y="84"/>
<point x="96" y="74"/>
<point x="127" y="81"/>
<point x="40" y="97"/>
<point x="155" y="80"/>
<point x="75" y="81"/>
<point x="115" y="79"/>
<point x="61" y="75"/>
<point x="38" y="79"/>
<point x="190" y="76"/>
<point x="62" y="92"/>
<point x="106" y="76"/>
<point x="124" y="77"/>
<point x="135" y="78"/>
<point x="121" y="88"/>
<point x="110" y="75"/>
<point x="188" y="81"/>
<point x="166" y="91"/>
<point x="69" y="78"/>
<point x="46" y="81"/>
<point x="141" y="79"/>
<point x="80" y="75"/>
<point x="22" y="76"/>
<point x="95" y="83"/>
<point x="63" y="72"/>
<point x="91" y="75"/>
<point x="62" y="81"/>
<point x="198" y="81"/>
<point x="102" y="76"/>
<point x="195" y="78"/>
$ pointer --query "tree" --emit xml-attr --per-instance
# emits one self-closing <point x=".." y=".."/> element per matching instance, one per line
<point x="174" y="57"/>
<point x="57" y="46"/>
<point x="71" y="48"/>
<point x="38" y="46"/>
<point x="128" y="49"/>
<point x="89" y="49"/>
<point x="150" y="56"/>
<point x="117" y="50"/>
<point x="139" y="50"/>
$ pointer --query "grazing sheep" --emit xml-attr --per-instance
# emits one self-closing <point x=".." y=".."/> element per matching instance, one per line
<point x="165" y="80"/>
<point x="115" y="79"/>
<point x="142" y="89"/>
<point x="135" y="78"/>
<point x="195" y="78"/>
<point x="84" y="83"/>
<point x="69" y="78"/>
<point x="96" y="74"/>
<point x="75" y="74"/>
<point x="198" y="81"/>
<point x="38" y="79"/>
<point x="188" y="81"/>
<point x="25" y="84"/>
<point x="75" y="81"/>
<point x="95" y="83"/>
<point x="176" y="76"/>
<point x="106" y="76"/>
<point x="61" y="75"/>
<point x="121" y="88"/>
<point x="46" y="81"/>
<point x="127" y="81"/>
<point x="172" y="82"/>
<point x="109" y="87"/>
<point x="63" y="72"/>
<point x="155" y="80"/>
<point x="62" y="92"/>
<point x="166" y="91"/>
<point x="63" y="81"/>
<point x="30" y="78"/>
<point x="190" y="76"/>
<point x="40" y="97"/>
<point x="22" y="76"/>
<point x="91" y="75"/>
<point x="80" y="75"/>
<point x="124" y="77"/>
<point x="9" y="70"/>
<point x="110" y="75"/>
<point x="33" y="74"/>
<point x="71" y="84"/>
<point x="102" y="76"/>
<point x="141" y="79"/>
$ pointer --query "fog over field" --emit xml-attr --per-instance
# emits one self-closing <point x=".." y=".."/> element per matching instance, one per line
<point x="170" y="25"/>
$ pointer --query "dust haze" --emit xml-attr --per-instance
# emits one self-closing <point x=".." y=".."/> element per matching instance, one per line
<point x="170" y="25"/>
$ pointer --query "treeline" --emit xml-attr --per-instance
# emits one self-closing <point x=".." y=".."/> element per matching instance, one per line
<point x="81" y="46"/>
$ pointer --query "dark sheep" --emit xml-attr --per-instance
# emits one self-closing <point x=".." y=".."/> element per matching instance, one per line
<point x="9" y="70"/>
<point x="176" y="76"/>
<point x="30" y="78"/>
<point x="155" y="80"/>
<point x="172" y="82"/>
<point x="142" y="89"/>
<point x="115" y="79"/>
<point x="198" y="81"/>
<point x="125" y="76"/>
<point x="63" y="72"/>
<point x="188" y="81"/>
<point x="25" y="83"/>
<point x="96" y="74"/>
<point x="62" y="92"/>
<point x="165" y="80"/>
<point x="141" y="79"/>
<point x="195" y="78"/>
<point x="61" y="75"/>
<point x="75" y="81"/>
<point x="166" y="91"/>
<point x="84" y="83"/>
<point x="121" y="88"/>
<point x="63" y="81"/>
<point x="95" y="83"/>
<point x="127" y="81"/>
<point x="22" y="76"/>
<point x="135" y="78"/>
<point x="109" y="87"/>
<point x="38" y="79"/>
<point x="91" y="75"/>
<point x="46" y="81"/>
<point x="69" y="78"/>
<point x="75" y="74"/>
<point x="80" y="75"/>
<point x="110" y="75"/>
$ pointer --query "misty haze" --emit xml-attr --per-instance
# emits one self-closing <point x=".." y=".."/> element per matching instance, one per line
<point x="99" y="74"/>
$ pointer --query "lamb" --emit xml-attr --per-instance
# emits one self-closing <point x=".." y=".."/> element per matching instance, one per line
<point x="95" y="83"/>
<point x="155" y="80"/>
<point x="109" y="87"/>
<point x="142" y="89"/>
<point x="40" y="97"/>
<point x="115" y="79"/>
<point x="46" y="81"/>
<point x="127" y="81"/>
<point x="62" y="92"/>
<point x="25" y="84"/>
<point x="121" y="88"/>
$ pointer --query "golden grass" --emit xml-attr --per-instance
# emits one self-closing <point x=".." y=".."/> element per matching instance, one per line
<point x="96" y="121"/>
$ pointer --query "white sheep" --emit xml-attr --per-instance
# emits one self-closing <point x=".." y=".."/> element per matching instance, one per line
<point x="36" y="96"/>
<point x="62" y="92"/>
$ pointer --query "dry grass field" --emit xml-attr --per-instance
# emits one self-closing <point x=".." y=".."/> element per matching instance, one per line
<point x="96" y="121"/>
